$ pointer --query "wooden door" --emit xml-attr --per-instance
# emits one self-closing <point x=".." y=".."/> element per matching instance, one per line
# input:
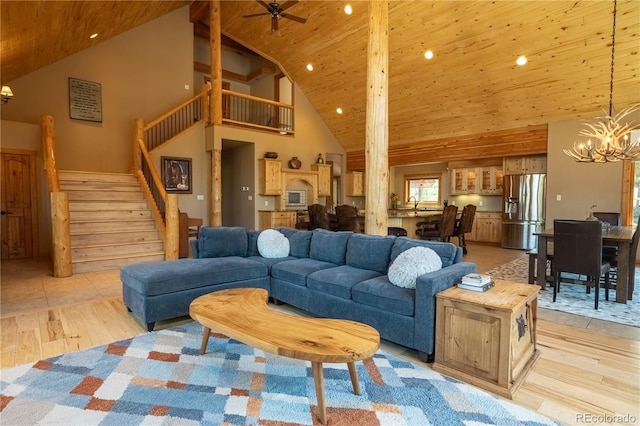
<point x="19" y="206"/>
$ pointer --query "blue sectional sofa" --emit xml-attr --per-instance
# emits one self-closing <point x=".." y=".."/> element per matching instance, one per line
<point x="328" y="274"/>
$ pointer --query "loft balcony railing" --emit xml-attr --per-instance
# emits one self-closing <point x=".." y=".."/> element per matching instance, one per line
<point x="244" y="110"/>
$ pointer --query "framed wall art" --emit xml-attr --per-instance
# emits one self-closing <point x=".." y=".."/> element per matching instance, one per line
<point x="176" y="174"/>
<point x="85" y="100"/>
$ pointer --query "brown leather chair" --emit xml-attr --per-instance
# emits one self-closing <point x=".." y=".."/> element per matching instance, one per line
<point x="464" y="225"/>
<point x="347" y="218"/>
<point x="318" y="217"/>
<point x="578" y="250"/>
<point x="441" y="229"/>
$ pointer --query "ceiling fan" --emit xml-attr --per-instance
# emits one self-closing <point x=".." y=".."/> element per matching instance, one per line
<point x="277" y="11"/>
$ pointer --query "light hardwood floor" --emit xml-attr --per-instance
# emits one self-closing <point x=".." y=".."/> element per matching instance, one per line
<point x="588" y="372"/>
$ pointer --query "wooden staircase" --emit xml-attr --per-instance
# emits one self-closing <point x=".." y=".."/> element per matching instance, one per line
<point x="110" y="221"/>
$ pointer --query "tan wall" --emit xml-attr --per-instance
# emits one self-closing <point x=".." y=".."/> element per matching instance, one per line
<point x="143" y="73"/>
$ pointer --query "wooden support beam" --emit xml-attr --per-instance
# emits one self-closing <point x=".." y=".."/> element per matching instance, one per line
<point x="216" y="62"/>
<point x="377" y="120"/>
<point x="60" y="235"/>
<point x="172" y="219"/>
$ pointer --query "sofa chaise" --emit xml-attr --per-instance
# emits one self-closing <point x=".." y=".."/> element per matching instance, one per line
<point x="329" y="274"/>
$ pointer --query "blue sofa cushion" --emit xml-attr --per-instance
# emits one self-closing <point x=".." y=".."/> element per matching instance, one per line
<point x="369" y="252"/>
<point x="252" y="243"/>
<point x="222" y="241"/>
<point x="338" y="281"/>
<point x="380" y="293"/>
<point x="270" y="262"/>
<point x="299" y="241"/>
<point x="296" y="271"/>
<point x="156" y="278"/>
<point x="449" y="253"/>
<point x="329" y="246"/>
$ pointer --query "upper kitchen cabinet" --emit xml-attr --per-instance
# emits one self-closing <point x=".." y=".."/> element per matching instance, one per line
<point x="355" y="184"/>
<point x="464" y="181"/>
<point x="324" y="178"/>
<point x="491" y="180"/>
<point x="270" y="177"/>
<point x="525" y="165"/>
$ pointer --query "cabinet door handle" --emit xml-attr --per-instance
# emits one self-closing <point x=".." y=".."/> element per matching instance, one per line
<point x="3" y="212"/>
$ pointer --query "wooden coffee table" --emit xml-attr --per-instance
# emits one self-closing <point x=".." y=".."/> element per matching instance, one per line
<point x="243" y="314"/>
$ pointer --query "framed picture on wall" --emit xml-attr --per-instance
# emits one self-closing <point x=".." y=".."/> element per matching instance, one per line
<point x="176" y="174"/>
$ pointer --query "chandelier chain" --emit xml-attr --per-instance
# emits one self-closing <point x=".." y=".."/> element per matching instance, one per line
<point x="613" y="52"/>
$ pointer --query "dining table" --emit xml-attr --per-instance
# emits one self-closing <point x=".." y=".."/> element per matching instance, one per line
<point x="619" y="236"/>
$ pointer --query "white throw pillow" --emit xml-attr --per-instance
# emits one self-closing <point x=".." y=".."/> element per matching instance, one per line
<point x="273" y="244"/>
<point x="412" y="263"/>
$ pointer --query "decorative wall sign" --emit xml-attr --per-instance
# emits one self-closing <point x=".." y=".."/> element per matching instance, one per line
<point x="85" y="100"/>
<point x="176" y="174"/>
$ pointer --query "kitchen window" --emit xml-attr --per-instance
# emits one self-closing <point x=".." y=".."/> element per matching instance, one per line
<point x="424" y="189"/>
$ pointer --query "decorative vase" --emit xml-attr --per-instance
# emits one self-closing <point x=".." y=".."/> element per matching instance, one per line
<point x="320" y="160"/>
<point x="294" y="163"/>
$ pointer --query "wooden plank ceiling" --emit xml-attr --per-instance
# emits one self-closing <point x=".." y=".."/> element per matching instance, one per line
<point x="472" y="86"/>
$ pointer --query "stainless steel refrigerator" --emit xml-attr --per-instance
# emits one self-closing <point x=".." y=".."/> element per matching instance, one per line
<point x="523" y="202"/>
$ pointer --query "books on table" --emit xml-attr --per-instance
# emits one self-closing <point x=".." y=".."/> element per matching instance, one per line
<point x="476" y="282"/>
<point x="480" y="288"/>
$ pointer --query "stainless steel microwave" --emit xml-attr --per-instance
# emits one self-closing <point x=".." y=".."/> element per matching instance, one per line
<point x="296" y="198"/>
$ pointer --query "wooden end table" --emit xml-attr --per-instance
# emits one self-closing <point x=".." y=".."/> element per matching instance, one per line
<point x="243" y="314"/>
<point x="487" y="339"/>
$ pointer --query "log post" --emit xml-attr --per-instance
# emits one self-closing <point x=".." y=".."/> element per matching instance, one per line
<point x="215" y="46"/>
<point x="377" y="120"/>
<point x="61" y="235"/>
<point x="48" y="150"/>
<point x="216" y="185"/>
<point x="138" y="134"/>
<point x="172" y="220"/>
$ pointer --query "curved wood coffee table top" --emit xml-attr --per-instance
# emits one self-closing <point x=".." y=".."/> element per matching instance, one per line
<point x="243" y="314"/>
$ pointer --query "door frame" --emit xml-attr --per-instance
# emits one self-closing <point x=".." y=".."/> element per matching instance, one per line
<point x="33" y="188"/>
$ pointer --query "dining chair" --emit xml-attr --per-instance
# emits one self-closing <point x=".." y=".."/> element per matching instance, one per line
<point x="347" y="218"/>
<point x="613" y="219"/>
<point x="464" y="225"/>
<point x="578" y="250"/>
<point x="441" y="229"/>
<point x="318" y="217"/>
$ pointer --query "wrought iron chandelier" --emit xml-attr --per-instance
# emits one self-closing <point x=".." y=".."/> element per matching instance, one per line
<point x="609" y="136"/>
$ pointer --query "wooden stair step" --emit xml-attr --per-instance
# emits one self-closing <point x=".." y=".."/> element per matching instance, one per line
<point x="102" y="215"/>
<point x="87" y="227"/>
<point x="114" y="237"/>
<point x="80" y="176"/>
<point x="113" y="196"/>
<point x="116" y="249"/>
<point x="103" y="263"/>
<point x="99" y="205"/>
<point x="78" y="186"/>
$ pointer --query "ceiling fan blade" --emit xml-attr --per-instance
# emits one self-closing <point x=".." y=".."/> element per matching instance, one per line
<point x="265" y="5"/>
<point x="287" y="4"/>
<point x="293" y="18"/>
<point x="274" y="23"/>
<point x="256" y="14"/>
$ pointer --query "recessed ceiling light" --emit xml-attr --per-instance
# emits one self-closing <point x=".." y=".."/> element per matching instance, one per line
<point x="348" y="10"/>
<point x="310" y="67"/>
<point x="94" y="35"/>
<point x="428" y="54"/>
<point x="521" y="60"/>
<point x="339" y="110"/>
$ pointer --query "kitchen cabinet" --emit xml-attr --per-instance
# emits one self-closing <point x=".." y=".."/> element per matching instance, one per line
<point x="464" y="181"/>
<point x="269" y="176"/>
<point x="268" y="219"/>
<point x="490" y="180"/>
<point x="525" y="165"/>
<point x="355" y="184"/>
<point x="324" y="178"/>
<point x="487" y="227"/>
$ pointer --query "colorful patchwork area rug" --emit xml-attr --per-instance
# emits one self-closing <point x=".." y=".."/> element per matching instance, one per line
<point x="160" y="378"/>
<point x="573" y="298"/>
